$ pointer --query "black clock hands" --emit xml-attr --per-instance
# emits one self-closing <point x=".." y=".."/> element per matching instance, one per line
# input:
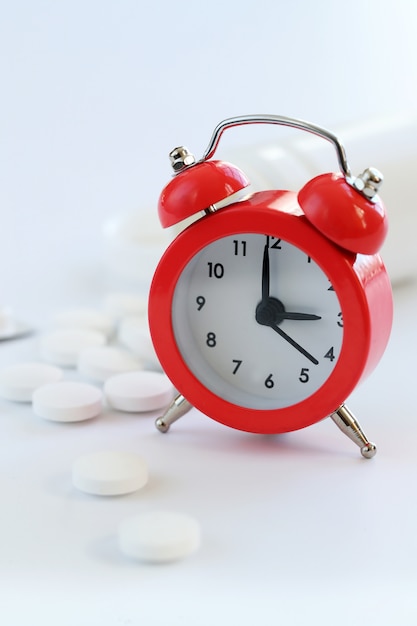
<point x="271" y="311"/>
<point x="265" y="273"/>
<point x="291" y="341"/>
<point x="287" y="315"/>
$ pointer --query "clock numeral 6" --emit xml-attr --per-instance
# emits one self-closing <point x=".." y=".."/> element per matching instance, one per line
<point x="269" y="383"/>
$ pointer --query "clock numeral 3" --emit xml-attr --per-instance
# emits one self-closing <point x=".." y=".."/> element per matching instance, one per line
<point x="340" y="320"/>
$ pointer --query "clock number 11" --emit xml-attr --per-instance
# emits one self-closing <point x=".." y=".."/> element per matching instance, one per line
<point x="239" y="247"/>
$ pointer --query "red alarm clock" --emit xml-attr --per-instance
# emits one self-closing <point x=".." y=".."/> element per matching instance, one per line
<point x="266" y="313"/>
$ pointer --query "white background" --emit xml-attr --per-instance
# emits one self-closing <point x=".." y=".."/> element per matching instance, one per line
<point x="296" y="529"/>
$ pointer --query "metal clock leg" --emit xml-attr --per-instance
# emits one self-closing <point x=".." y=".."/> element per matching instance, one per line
<point x="178" y="407"/>
<point x="348" y="424"/>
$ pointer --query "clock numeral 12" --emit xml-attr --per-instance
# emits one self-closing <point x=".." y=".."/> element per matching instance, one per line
<point x="276" y="245"/>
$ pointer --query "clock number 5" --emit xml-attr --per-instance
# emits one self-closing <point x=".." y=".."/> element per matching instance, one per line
<point x="304" y="377"/>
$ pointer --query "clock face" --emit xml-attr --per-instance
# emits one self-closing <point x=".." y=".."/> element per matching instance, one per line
<point x="257" y="321"/>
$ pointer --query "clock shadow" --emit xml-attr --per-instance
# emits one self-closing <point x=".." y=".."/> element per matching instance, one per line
<point x="285" y="444"/>
<point x="311" y="442"/>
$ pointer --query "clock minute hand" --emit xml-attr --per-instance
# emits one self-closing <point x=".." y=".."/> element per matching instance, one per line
<point x="265" y="273"/>
<point x="293" y="343"/>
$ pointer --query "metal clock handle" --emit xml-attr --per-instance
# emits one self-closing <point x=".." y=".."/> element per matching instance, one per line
<point x="280" y="120"/>
<point x="367" y="183"/>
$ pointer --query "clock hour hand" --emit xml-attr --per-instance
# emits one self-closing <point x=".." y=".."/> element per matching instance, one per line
<point x="288" y="315"/>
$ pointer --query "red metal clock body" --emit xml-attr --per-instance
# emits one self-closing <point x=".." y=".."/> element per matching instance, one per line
<point x="264" y="320"/>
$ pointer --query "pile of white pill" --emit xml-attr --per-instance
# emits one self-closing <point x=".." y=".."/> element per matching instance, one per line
<point x="112" y="353"/>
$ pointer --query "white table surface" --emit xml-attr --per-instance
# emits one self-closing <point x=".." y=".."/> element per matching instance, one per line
<point x="297" y="529"/>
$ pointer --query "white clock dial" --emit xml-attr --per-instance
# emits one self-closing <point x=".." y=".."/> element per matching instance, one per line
<point x="257" y="321"/>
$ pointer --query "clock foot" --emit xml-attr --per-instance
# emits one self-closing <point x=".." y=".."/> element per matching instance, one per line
<point x="178" y="407"/>
<point x="348" y="424"/>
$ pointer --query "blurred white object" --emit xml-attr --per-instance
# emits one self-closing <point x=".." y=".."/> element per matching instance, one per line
<point x="390" y="144"/>
<point x="134" y="243"/>
<point x="10" y="327"/>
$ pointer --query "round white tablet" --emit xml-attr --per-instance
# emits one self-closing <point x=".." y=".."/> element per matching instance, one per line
<point x="133" y="333"/>
<point x="101" y="363"/>
<point x="88" y="319"/>
<point x="159" y="536"/>
<point x="19" y="381"/>
<point x="109" y="473"/>
<point x="67" y="401"/>
<point x="138" y="391"/>
<point x="63" y="346"/>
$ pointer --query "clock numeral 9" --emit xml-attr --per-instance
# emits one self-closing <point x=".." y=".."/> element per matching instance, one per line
<point x="200" y="302"/>
<point x="269" y="383"/>
<point x="211" y="340"/>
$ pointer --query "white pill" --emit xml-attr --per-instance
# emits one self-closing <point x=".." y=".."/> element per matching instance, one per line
<point x="159" y="536"/>
<point x="67" y="401"/>
<point x="105" y="361"/>
<point x="109" y="473"/>
<point x="120" y="304"/>
<point x="133" y="333"/>
<point x="86" y="319"/>
<point x="63" y="347"/>
<point x="138" y="391"/>
<point x="19" y="381"/>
